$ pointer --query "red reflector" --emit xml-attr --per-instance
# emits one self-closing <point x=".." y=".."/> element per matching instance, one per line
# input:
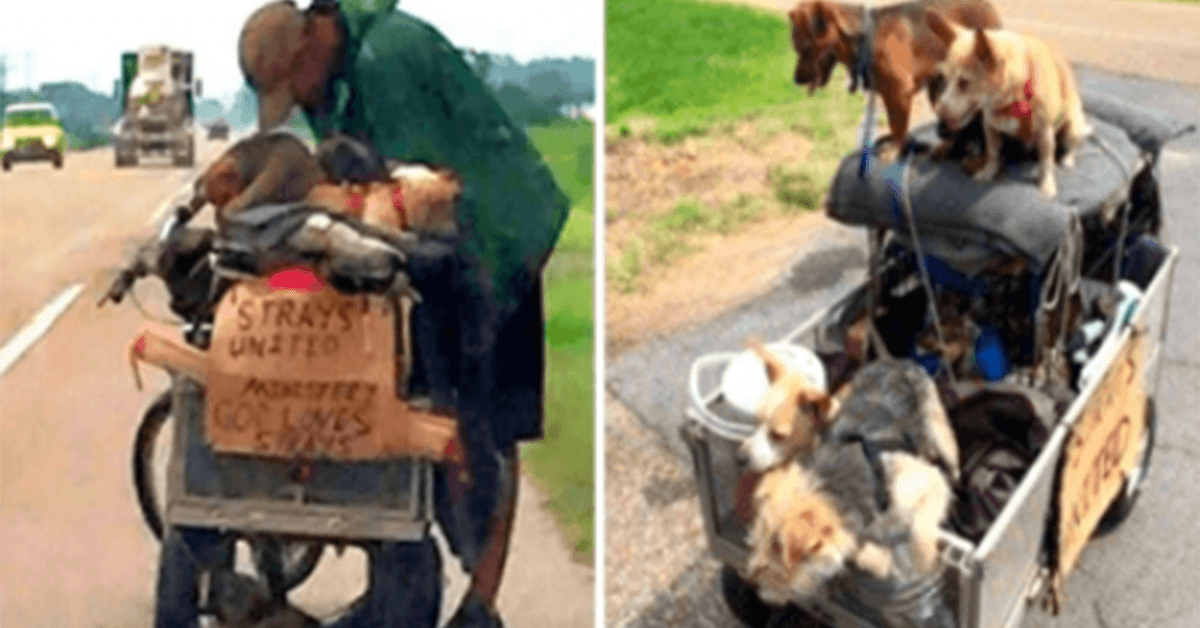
<point x="301" y="279"/>
<point x="355" y="201"/>
<point x="139" y="347"/>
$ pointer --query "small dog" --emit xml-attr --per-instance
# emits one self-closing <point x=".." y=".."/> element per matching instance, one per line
<point x="906" y="53"/>
<point x="265" y="168"/>
<point x="345" y="176"/>
<point x="240" y="601"/>
<point x="872" y="494"/>
<point x="958" y="328"/>
<point x="793" y="414"/>
<point x="1024" y="89"/>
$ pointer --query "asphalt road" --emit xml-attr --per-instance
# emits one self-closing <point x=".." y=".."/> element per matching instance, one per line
<point x="1145" y="574"/>
<point x="74" y="552"/>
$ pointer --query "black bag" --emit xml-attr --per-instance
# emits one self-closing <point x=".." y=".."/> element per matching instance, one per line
<point x="999" y="436"/>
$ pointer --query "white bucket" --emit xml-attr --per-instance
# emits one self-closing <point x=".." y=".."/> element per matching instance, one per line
<point x="744" y="383"/>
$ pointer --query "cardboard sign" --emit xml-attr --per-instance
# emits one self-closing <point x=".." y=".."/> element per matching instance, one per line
<point x="298" y="370"/>
<point x="1102" y="448"/>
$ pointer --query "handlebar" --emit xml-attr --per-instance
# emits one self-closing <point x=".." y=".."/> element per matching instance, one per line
<point x="141" y="266"/>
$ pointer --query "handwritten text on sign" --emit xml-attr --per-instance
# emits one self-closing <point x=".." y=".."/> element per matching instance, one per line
<point x="1103" y="446"/>
<point x="296" y="373"/>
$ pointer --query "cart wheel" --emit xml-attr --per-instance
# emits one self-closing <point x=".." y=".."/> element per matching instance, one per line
<point x="57" y="159"/>
<point x="1123" y="504"/>
<point x="298" y="559"/>
<point x="143" y="461"/>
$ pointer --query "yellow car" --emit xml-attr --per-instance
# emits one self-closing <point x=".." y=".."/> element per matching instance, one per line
<point x="32" y="132"/>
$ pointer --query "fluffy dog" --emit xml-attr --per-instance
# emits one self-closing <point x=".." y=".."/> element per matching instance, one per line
<point x="1024" y="89"/>
<point x="872" y="494"/>
<point x="792" y="415"/>
<point x="905" y="52"/>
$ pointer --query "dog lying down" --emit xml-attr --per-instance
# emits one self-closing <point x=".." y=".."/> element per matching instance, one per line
<point x="868" y="494"/>
<point x="394" y="204"/>
<point x="344" y="176"/>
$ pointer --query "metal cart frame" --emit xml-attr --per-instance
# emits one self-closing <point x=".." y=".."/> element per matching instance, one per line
<point x="988" y="584"/>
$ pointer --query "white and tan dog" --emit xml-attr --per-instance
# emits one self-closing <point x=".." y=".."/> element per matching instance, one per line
<point x="1024" y="88"/>
<point x="792" y="415"/>
<point x="871" y="494"/>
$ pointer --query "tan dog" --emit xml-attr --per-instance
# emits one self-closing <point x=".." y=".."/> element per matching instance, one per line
<point x="803" y="535"/>
<point x="417" y="198"/>
<point x="793" y="413"/>
<point x="871" y="494"/>
<point x="905" y="52"/>
<point x="1024" y="88"/>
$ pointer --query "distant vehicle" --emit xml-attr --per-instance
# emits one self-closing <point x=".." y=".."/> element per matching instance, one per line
<point x="218" y="130"/>
<point x="159" y="106"/>
<point x="32" y="132"/>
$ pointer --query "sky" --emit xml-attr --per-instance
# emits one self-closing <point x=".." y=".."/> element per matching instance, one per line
<point x="82" y="41"/>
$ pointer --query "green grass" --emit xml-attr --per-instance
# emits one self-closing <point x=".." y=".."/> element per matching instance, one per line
<point x="562" y="462"/>
<point x="682" y="67"/>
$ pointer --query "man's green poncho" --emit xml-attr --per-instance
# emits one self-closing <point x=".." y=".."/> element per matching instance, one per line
<point x="409" y="90"/>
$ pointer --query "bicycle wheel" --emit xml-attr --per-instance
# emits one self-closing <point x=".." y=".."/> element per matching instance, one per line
<point x="153" y="419"/>
<point x="297" y="559"/>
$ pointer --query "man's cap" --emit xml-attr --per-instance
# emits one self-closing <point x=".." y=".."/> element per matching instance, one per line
<point x="267" y="48"/>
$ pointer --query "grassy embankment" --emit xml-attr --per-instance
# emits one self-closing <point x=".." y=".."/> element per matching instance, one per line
<point x="680" y="69"/>
<point x="562" y="462"/>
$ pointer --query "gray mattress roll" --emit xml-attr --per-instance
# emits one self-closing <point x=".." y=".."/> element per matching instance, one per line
<point x="967" y="223"/>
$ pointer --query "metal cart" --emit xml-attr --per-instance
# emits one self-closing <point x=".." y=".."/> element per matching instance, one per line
<point x="1086" y="476"/>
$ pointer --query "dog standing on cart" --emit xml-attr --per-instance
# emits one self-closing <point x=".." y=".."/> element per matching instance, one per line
<point x="391" y="81"/>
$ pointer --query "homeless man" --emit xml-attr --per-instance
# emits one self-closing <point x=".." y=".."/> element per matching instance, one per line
<point x="383" y="77"/>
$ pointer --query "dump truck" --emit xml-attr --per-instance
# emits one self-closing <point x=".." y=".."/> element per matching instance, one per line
<point x="158" y="95"/>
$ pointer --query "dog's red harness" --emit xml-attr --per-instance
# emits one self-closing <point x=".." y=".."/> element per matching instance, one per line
<point x="1022" y="108"/>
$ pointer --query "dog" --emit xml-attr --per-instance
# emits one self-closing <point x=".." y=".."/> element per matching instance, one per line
<point x="959" y="330"/>
<point x="792" y="415"/>
<point x="274" y="167"/>
<point x="905" y="52"/>
<point x="345" y="176"/>
<point x="1023" y="87"/>
<point x="870" y="495"/>
<point x="240" y="601"/>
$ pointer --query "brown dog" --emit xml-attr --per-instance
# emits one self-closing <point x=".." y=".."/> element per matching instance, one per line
<point x="1023" y="87"/>
<point x="264" y="168"/>
<point x="905" y="51"/>
<point x="279" y="168"/>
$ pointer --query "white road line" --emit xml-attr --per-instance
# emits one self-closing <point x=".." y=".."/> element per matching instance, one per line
<point x="19" y="344"/>
<point x="37" y="328"/>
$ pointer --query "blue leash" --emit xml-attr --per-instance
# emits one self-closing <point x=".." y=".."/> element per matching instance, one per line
<point x="862" y="71"/>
